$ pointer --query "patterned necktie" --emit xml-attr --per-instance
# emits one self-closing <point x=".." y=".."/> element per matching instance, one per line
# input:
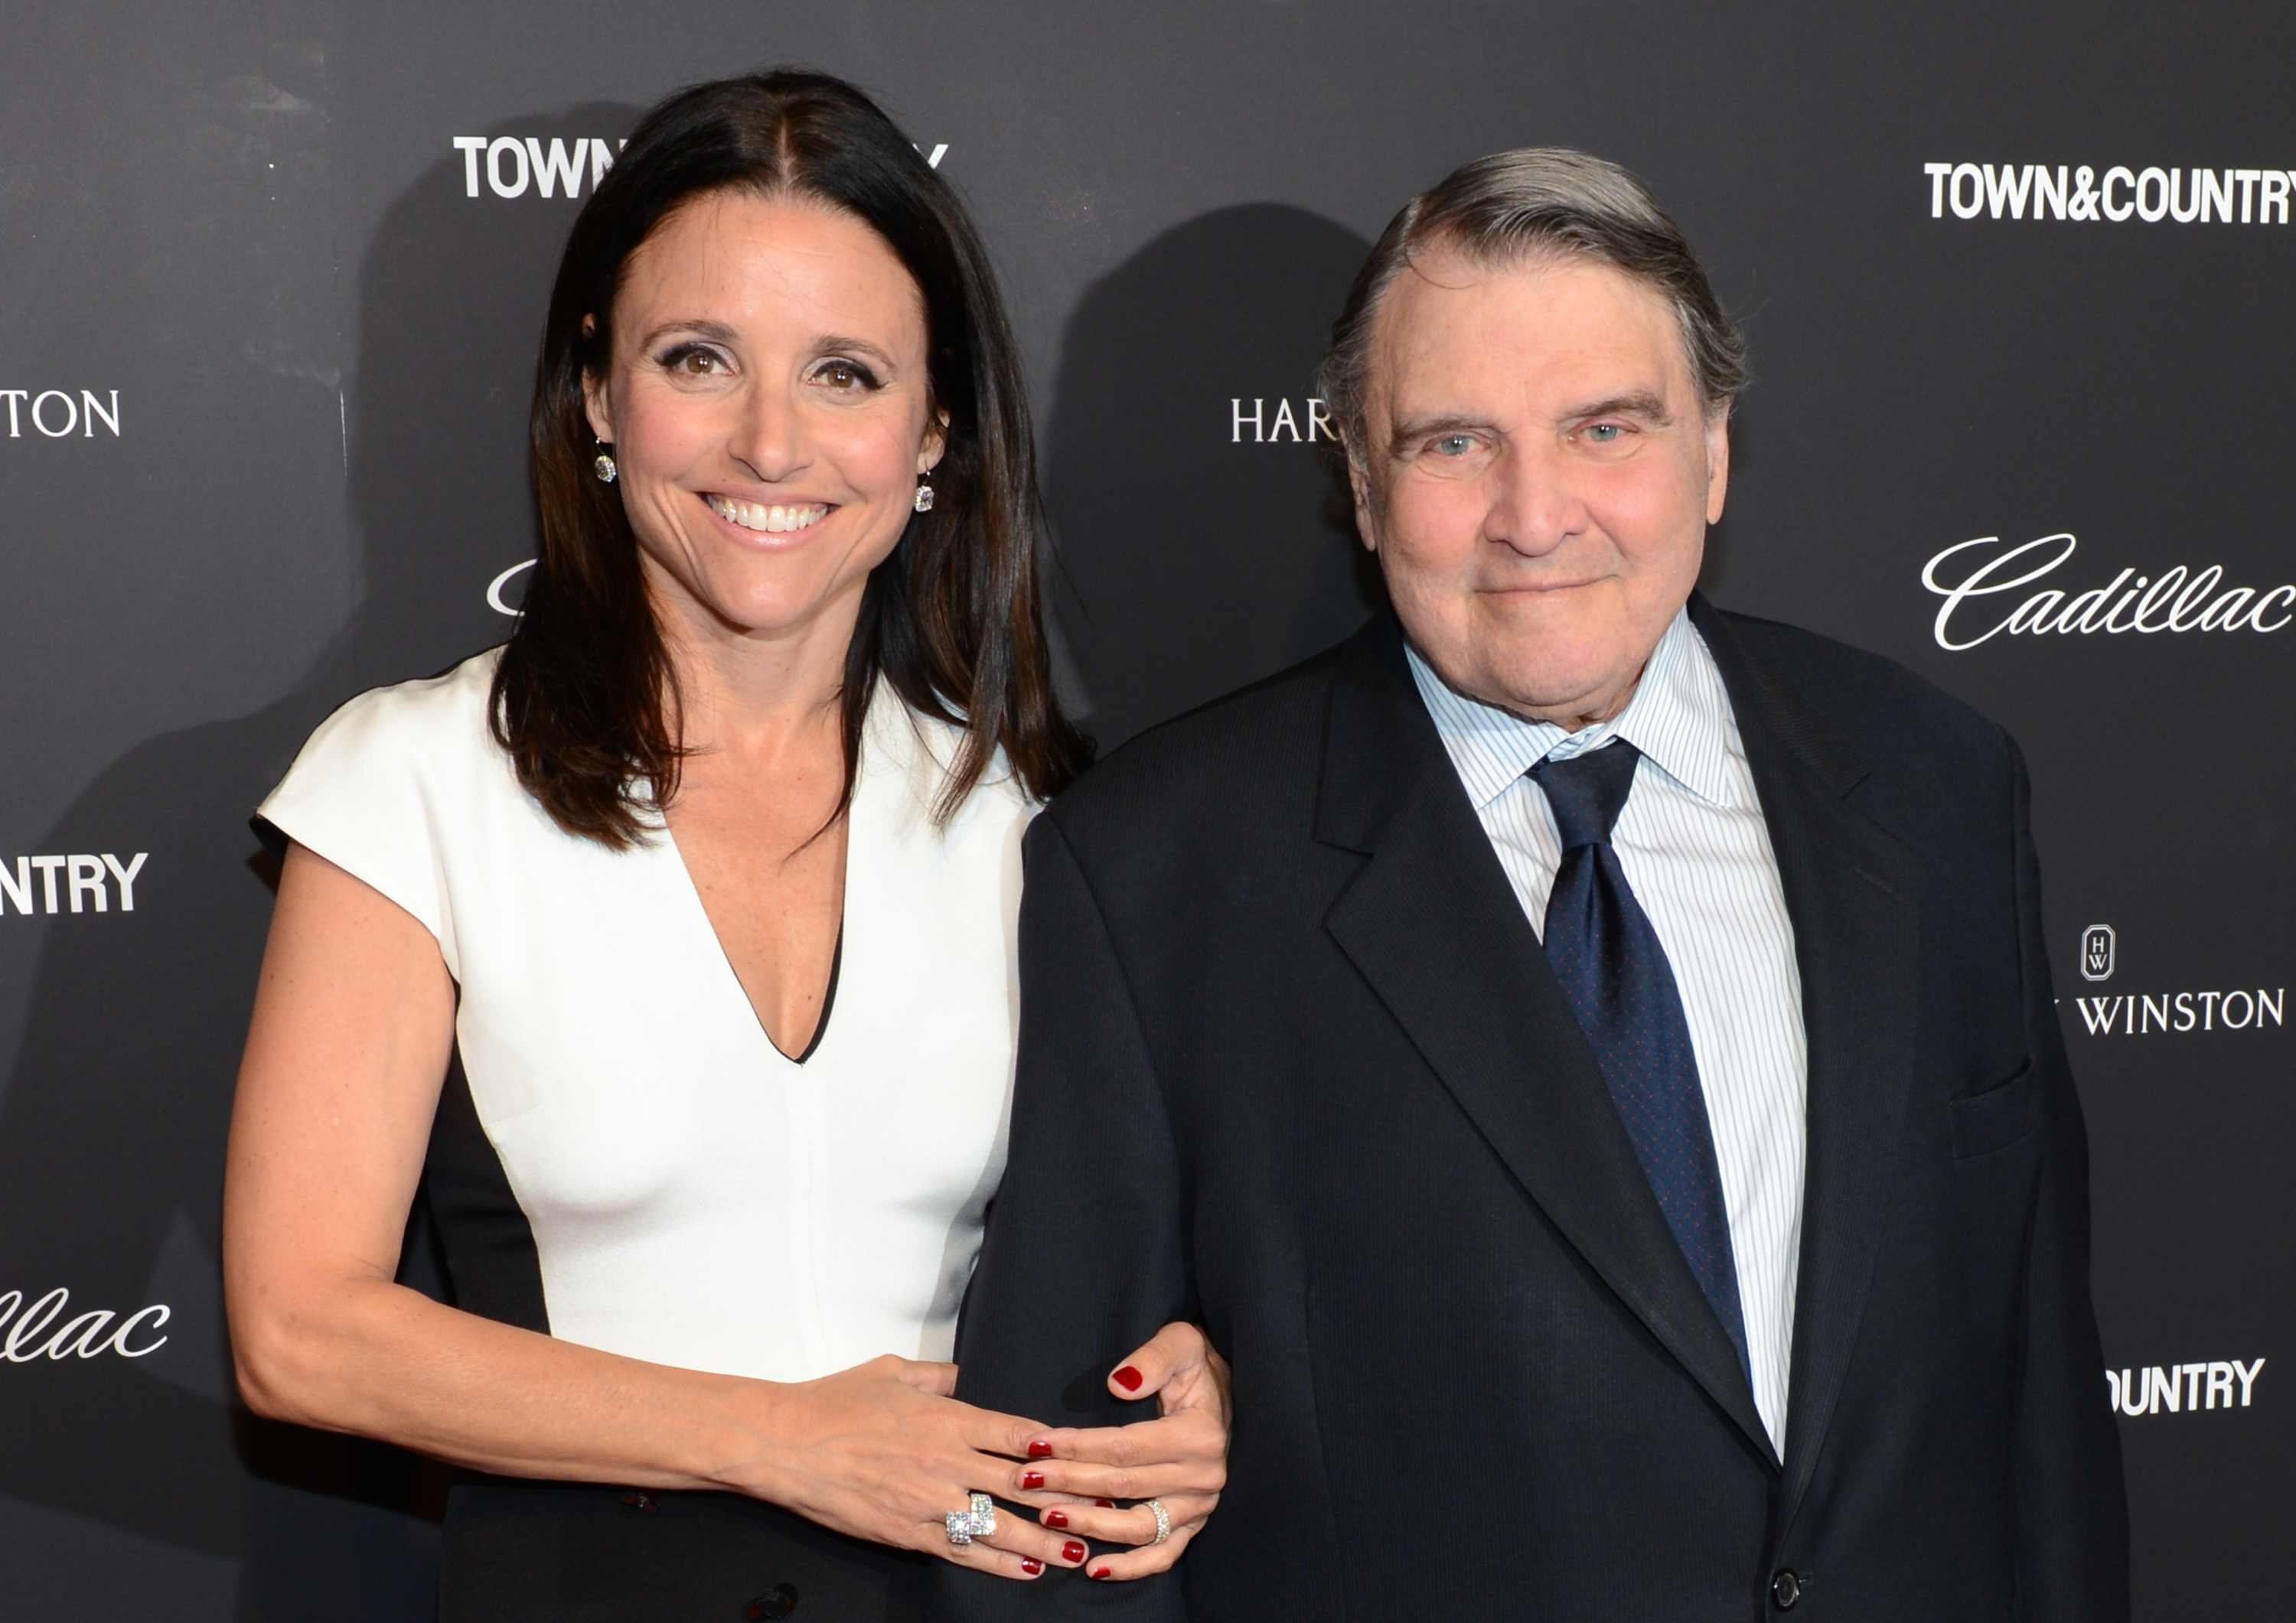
<point x="1617" y="977"/>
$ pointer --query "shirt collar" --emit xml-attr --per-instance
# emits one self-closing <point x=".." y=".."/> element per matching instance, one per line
<point x="1680" y="718"/>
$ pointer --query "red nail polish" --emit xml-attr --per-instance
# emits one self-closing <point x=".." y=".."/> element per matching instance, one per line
<point x="1128" y="1378"/>
<point x="1032" y="1478"/>
<point x="1099" y="1571"/>
<point x="1030" y="1565"/>
<point x="1106" y="1504"/>
<point x="1072" y="1551"/>
<point x="1040" y="1450"/>
<point x="1056" y="1519"/>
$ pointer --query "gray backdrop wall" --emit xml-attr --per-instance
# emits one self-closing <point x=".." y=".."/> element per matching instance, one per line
<point x="271" y="273"/>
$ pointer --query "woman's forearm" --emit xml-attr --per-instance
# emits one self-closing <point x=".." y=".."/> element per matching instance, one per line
<point x="376" y="1359"/>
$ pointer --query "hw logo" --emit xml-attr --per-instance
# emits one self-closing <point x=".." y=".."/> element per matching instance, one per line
<point x="2098" y="951"/>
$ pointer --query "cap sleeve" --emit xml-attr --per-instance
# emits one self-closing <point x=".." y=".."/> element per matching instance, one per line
<point x="378" y="785"/>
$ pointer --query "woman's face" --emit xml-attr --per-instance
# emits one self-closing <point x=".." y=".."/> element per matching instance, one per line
<point x="768" y="404"/>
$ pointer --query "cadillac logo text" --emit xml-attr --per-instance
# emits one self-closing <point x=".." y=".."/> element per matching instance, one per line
<point x="1973" y="577"/>
<point x="42" y="1331"/>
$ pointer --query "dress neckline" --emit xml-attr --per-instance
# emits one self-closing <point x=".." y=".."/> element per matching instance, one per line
<point x="891" y="744"/>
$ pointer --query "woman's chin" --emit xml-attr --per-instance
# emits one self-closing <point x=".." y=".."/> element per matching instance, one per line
<point x="780" y="617"/>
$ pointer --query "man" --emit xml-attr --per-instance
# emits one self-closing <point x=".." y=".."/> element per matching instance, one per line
<point x="1587" y="1058"/>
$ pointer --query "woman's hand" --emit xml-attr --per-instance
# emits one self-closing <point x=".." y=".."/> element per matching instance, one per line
<point x="883" y="1452"/>
<point x="1179" y="1460"/>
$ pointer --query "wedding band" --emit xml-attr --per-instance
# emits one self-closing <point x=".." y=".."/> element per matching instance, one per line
<point x="1163" y="1521"/>
<point x="978" y="1520"/>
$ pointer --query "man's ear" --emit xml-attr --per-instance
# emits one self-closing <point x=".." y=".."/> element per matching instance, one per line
<point x="1718" y="461"/>
<point x="1360" y="486"/>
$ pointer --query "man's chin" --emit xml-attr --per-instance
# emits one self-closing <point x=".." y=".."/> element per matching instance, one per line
<point x="1571" y="682"/>
<point x="1549" y="655"/>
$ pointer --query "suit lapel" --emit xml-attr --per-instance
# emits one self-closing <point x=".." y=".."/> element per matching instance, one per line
<point x="1434" y="927"/>
<point x="1851" y="890"/>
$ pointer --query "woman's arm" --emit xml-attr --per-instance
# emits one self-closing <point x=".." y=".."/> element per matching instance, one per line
<point x="354" y="1023"/>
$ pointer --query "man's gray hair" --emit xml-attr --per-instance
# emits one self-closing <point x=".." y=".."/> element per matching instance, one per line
<point x="1533" y="202"/>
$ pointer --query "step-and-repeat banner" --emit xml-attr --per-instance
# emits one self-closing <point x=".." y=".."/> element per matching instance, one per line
<point x="2021" y="284"/>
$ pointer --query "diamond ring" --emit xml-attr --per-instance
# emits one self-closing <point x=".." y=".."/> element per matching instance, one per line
<point x="1163" y="1520"/>
<point x="978" y="1520"/>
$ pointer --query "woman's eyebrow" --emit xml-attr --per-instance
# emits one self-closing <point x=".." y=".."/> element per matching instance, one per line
<point x="717" y="332"/>
<point x="834" y="342"/>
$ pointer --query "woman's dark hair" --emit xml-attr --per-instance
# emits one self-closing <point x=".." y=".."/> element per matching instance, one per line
<point x="585" y="699"/>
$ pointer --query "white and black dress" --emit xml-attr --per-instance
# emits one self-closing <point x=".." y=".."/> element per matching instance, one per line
<point x="623" y="1158"/>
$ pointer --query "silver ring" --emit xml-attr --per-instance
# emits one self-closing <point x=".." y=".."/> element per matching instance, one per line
<point x="1163" y="1520"/>
<point x="978" y="1520"/>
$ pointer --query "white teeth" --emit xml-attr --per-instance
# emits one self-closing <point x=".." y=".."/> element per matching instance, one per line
<point x="774" y="521"/>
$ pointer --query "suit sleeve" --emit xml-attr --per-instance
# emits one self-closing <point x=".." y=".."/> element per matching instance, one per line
<point x="1084" y="1257"/>
<point x="2073" y="1513"/>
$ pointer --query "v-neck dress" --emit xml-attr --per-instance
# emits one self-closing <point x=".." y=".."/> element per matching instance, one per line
<point x="623" y="1158"/>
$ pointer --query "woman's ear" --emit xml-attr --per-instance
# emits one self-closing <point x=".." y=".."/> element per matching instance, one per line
<point x="597" y="402"/>
<point x="936" y="444"/>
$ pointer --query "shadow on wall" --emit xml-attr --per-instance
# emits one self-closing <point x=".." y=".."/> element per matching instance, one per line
<point x="141" y="1486"/>
<point x="1203" y="537"/>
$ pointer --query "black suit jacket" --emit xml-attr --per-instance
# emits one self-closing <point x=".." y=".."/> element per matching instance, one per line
<point x="1293" y="1063"/>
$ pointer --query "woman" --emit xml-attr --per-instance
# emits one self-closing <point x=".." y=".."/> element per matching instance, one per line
<point x="676" y="937"/>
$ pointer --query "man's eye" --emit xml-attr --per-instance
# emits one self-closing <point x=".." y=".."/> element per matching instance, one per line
<point x="1605" y="433"/>
<point x="1454" y="445"/>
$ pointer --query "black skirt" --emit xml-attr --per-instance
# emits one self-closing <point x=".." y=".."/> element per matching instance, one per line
<point x="519" y="1552"/>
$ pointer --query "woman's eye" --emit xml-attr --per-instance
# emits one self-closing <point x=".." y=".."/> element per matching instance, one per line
<point x="846" y="376"/>
<point x="691" y="361"/>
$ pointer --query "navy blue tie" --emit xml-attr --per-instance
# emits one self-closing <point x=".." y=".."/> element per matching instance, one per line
<point x="1617" y="977"/>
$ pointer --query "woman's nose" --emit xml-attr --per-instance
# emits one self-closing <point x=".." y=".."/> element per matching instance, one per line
<point x="769" y="438"/>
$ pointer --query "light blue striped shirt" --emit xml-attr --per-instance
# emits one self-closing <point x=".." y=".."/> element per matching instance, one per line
<point x="1697" y="853"/>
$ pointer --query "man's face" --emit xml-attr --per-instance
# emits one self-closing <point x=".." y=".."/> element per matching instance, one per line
<point x="1539" y="478"/>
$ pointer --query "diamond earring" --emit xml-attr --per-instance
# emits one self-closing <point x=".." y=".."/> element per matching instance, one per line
<point x="924" y="497"/>
<point x="605" y="466"/>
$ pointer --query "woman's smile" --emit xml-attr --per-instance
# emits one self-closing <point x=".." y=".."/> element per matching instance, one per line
<point x="772" y="519"/>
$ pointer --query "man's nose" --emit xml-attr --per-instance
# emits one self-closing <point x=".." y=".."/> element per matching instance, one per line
<point x="769" y="437"/>
<point x="1534" y="503"/>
